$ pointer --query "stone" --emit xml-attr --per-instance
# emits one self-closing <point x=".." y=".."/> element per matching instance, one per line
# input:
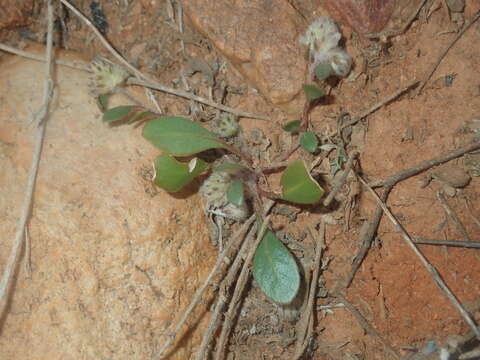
<point x="452" y="175"/>
<point x="364" y="16"/>
<point x="259" y="38"/>
<point x="15" y="13"/>
<point x="113" y="266"/>
<point x="456" y="5"/>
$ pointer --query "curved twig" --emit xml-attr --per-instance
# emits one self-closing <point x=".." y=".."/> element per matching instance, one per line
<point x="9" y="272"/>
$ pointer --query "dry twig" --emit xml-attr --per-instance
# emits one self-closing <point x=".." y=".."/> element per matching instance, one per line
<point x="341" y="180"/>
<point x="306" y="322"/>
<point x="10" y="267"/>
<point x="222" y="296"/>
<point x="28" y="55"/>
<point x="104" y="41"/>
<point x="403" y="28"/>
<point x="369" y="228"/>
<point x="156" y="86"/>
<point x="467" y="244"/>
<point x="367" y="234"/>
<point x="435" y="275"/>
<point x="447" y="49"/>
<point x="241" y="283"/>
<point x="474" y="218"/>
<point x="425" y="165"/>
<point x="378" y="105"/>
<point x="364" y="323"/>
<point x="144" y="80"/>
<point x="217" y="269"/>
<point x="452" y="215"/>
<point x="150" y="83"/>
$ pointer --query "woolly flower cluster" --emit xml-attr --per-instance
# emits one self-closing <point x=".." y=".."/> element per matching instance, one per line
<point x="322" y="38"/>
<point x="226" y="126"/>
<point x="214" y="193"/>
<point x="106" y="76"/>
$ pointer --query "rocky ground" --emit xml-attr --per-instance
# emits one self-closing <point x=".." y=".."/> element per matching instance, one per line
<point x="115" y="261"/>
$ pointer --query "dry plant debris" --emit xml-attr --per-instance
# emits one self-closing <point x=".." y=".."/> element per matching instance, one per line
<point x="306" y="324"/>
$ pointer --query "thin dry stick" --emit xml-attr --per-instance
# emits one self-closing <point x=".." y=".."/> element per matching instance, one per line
<point x="368" y="230"/>
<point x="232" y="245"/>
<point x="378" y="105"/>
<point x="475" y="220"/>
<point x="304" y="333"/>
<point x="341" y="180"/>
<point x="370" y="330"/>
<point x="221" y="300"/>
<point x="222" y="297"/>
<point x="151" y="97"/>
<point x="241" y="283"/>
<point x="136" y="81"/>
<point x="28" y="55"/>
<point x="104" y="41"/>
<point x="403" y="28"/>
<point x="425" y="165"/>
<point x="444" y="53"/>
<point x="180" y="25"/>
<point x="467" y="244"/>
<point x="187" y="95"/>
<point x="10" y="267"/>
<point x="451" y="214"/>
<point x="436" y="276"/>
<point x="28" y="255"/>
<point x="330" y="306"/>
<point x="147" y="81"/>
<point x="367" y="234"/>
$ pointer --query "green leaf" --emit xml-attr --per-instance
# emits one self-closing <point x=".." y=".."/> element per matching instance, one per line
<point x="229" y="167"/>
<point x="323" y="71"/>
<point x="275" y="270"/>
<point x="292" y="126"/>
<point x="180" y="136"/>
<point x="102" y="102"/>
<point x="312" y="91"/>
<point x="116" y="113"/>
<point x="309" y="141"/>
<point x="172" y="175"/>
<point x="127" y="114"/>
<point x="298" y="186"/>
<point x="235" y="192"/>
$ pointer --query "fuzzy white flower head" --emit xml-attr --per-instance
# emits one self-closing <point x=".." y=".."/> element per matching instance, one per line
<point x="106" y="76"/>
<point x="214" y="194"/>
<point x="321" y="36"/>
<point x="235" y="212"/>
<point x="226" y="126"/>
<point x="340" y="61"/>
<point x="214" y="189"/>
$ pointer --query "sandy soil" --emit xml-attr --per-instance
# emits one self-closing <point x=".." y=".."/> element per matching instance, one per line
<point x="392" y="290"/>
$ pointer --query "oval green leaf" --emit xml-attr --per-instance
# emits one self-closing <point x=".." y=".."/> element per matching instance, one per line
<point x="180" y="136"/>
<point x="116" y="113"/>
<point x="172" y="175"/>
<point x="323" y="71"/>
<point x="275" y="270"/>
<point x="127" y="114"/>
<point x="309" y="141"/>
<point x="235" y="192"/>
<point x="102" y="102"/>
<point x="298" y="186"/>
<point x="229" y="167"/>
<point x="292" y="126"/>
<point x="312" y="91"/>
